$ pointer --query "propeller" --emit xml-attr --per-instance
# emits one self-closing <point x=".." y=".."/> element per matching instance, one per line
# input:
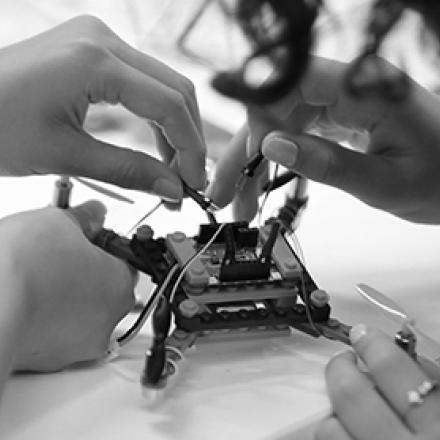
<point x="63" y="188"/>
<point x="397" y="313"/>
<point x="102" y="190"/>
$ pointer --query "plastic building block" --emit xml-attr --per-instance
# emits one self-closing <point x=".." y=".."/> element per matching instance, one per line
<point x="283" y="257"/>
<point x="217" y="292"/>
<point x="183" y="248"/>
<point x="205" y="303"/>
<point x="319" y="298"/>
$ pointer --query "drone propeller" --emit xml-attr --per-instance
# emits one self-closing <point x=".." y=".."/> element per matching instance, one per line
<point x="431" y="347"/>
<point x="102" y="190"/>
<point x="63" y="189"/>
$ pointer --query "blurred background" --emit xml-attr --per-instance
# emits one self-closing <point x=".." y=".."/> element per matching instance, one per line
<point x="344" y="241"/>
<point x="192" y="36"/>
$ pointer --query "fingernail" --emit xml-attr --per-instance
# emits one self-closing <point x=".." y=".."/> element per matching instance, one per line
<point x="282" y="151"/>
<point x="357" y="333"/>
<point x="168" y="190"/>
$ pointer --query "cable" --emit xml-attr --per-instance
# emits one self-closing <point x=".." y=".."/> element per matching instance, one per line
<point x="131" y="333"/>
<point x="148" y="308"/>
<point x="191" y="260"/>
<point x="296" y="245"/>
<point x="267" y="190"/>
<point x="279" y="181"/>
<point x="306" y="301"/>
<point x="305" y="298"/>
<point x="144" y="217"/>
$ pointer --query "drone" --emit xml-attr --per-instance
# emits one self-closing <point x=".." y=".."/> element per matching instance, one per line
<point x="232" y="277"/>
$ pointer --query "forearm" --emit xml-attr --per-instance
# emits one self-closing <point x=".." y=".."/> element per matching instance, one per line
<point x="13" y="314"/>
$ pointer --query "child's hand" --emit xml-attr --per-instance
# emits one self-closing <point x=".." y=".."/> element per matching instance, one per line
<point x="74" y="292"/>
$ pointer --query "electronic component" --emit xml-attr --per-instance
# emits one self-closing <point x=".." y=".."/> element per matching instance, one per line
<point x="228" y="277"/>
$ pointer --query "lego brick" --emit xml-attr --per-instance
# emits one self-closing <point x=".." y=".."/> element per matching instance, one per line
<point x="294" y="316"/>
<point x="283" y="257"/>
<point x="183" y="248"/>
<point x="223" y="292"/>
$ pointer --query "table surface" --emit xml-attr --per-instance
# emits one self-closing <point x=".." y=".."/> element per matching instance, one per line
<point x="268" y="388"/>
<point x="262" y="389"/>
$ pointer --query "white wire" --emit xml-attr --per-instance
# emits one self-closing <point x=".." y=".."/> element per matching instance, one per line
<point x="192" y="259"/>
<point x="164" y="285"/>
<point x="159" y="294"/>
<point x="144" y="217"/>
<point x="296" y="245"/>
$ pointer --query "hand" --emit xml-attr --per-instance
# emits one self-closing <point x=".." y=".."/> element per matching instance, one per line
<point x="375" y="406"/>
<point x="395" y="167"/>
<point x="47" y="85"/>
<point x="74" y="292"/>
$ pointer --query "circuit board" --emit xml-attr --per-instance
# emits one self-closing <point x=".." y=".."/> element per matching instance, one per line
<point x="229" y="278"/>
<point x="232" y="285"/>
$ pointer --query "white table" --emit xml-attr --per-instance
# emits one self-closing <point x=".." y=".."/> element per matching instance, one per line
<point x="239" y="389"/>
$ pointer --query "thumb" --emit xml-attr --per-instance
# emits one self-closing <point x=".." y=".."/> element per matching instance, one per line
<point x="328" y="162"/>
<point x="89" y="216"/>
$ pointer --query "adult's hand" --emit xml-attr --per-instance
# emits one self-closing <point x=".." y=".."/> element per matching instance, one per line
<point x="396" y="154"/>
<point x="376" y="405"/>
<point x="48" y="82"/>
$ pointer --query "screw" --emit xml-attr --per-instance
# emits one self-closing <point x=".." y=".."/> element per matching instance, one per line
<point x="144" y="233"/>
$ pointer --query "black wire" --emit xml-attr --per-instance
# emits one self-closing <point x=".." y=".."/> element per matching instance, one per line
<point x="279" y="181"/>
<point x="140" y="317"/>
<point x="155" y="293"/>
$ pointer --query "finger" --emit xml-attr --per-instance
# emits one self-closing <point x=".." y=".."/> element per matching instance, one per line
<point x="166" y="151"/>
<point x="328" y="162"/>
<point x="262" y="121"/>
<point x="320" y="87"/>
<point x="322" y="90"/>
<point x="79" y="153"/>
<point x="395" y="374"/>
<point x="161" y="72"/>
<point x="323" y="86"/>
<point x="358" y="405"/>
<point x="96" y="30"/>
<point x="223" y="186"/>
<point x="90" y="216"/>
<point x="116" y="81"/>
<point x="332" y="429"/>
